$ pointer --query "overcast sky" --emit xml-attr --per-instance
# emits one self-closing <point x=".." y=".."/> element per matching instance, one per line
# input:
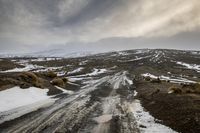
<point x="28" y="25"/>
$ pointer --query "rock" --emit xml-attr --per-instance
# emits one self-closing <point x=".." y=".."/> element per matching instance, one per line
<point x="58" y="81"/>
<point x="142" y="126"/>
<point x="155" y="80"/>
<point x="174" y="89"/>
<point x="28" y="79"/>
<point x="147" y="78"/>
<point x="51" y="74"/>
<point x="191" y="88"/>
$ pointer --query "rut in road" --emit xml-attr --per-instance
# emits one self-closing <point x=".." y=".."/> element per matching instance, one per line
<point x="70" y="114"/>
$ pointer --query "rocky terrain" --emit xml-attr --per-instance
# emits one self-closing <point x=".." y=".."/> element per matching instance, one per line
<point x="117" y="92"/>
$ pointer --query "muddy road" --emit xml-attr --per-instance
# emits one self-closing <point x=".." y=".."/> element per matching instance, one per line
<point x="97" y="107"/>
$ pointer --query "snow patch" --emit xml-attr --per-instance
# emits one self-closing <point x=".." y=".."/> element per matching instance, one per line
<point x="64" y="90"/>
<point x="120" y="79"/>
<point x="122" y="53"/>
<point x="16" y="97"/>
<point x="190" y="66"/>
<point x="74" y="79"/>
<point x="83" y="62"/>
<point x="27" y="67"/>
<point x="165" y="78"/>
<point x="144" y="118"/>
<point x="48" y="69"/>
<point x="176" y="80"/>
<point x="103" y="118"/>
<point x="61" y="73"/>
<point x="149" y="75"/>
<point x="97" y="71"/>
<point x="22" y="110"/>
<point x="76" y="70"/>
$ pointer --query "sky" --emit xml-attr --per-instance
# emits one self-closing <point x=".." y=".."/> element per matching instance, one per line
<point x="98" y="25"/>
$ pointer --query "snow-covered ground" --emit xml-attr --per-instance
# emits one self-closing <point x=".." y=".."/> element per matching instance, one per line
<point x="74" y="79"/>
<point x="28" y="67"/>
<point x="44" y="69"/>
<point x="120" y="79"/>
<point x="97" y="71"/>
<point x="190" y="66"/>
<point x="64" y="90"/>
<point x="142" y="51"/>
<point x="122" y="53"/>
<point x="83" y="62"/>
<point x="44" y="59"/>
<point x="149" y="75"/>
<point x="61" y="73"/>
<point x="136" y="59"/>
<point x="166" y="78"/>
<point x="16" y="97"/>
<point x="145" y="119"/>
<point x="22" y="110"/>
<point x="176" y="80"/>
<point x="76" y="70"/>
<point x="31" y="67"/>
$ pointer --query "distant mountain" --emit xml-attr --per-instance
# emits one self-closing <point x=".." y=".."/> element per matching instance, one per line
<point x="51" y="53"/>
<point x="60" y="53"/>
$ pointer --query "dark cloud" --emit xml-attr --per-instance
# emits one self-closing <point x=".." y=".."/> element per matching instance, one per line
<point x="28" y="24"/>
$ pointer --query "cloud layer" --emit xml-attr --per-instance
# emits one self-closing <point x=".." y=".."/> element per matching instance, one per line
<point x="29" y="23"/>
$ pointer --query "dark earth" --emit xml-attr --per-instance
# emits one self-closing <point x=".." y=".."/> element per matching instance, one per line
<point x="173" y="101"/>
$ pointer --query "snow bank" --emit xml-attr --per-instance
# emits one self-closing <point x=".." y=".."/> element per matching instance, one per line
<point x="94" y="73"/>
<point x="165" y="78"/>
<point x="61" y="73"/>
<point x="176" y="80"/>
<point x="190" y="66"/>
<point x="97" y="71"/>
<point x="142" y="51"/>
<point x="45" y="69"/>
<point x="76" y="70"/>
<point x="136" y="59"/>
<point x="149" y="75"/>
<point x="83" y="62"/>
<point x="22" y="110"/>
<point x="123" y="53"/>
<point x="74" y="79"/>
<point x="144" y="118"/>
<point x="38" y="59"/>
<point x="16" y="97"/>
<point x="27" y="67"/>
<point x="65" y="91"/>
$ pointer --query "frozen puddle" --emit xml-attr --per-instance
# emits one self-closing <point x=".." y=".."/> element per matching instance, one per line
<point x="146" y="120"/>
